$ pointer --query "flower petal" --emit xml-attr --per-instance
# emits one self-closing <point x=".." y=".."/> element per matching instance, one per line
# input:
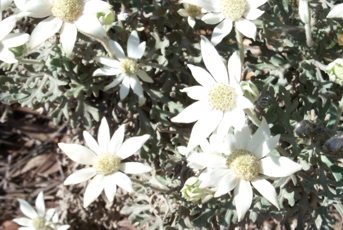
<point x="261" y="135"/>
<point x="255" y="3"/>
<point x="243" y="198"/>
<point x="208" y="160"/>
<point x="27" y="209"/>
<point x="115" y="82"/>
<point x="235" y="67"/>
<point x="253" y="13"/>
<point x="94" y="6"/>
<point x="213" y="18"/>
<point x="7" y="56"/>
<point x="44" y="30"/>
<point x="266" y="147"/>
<point x="136" y="86"/>
<point x="244" y="103"/>
<point x="23" y="221"/>
<point x="213" y="61"/>
<point x="104" y="135"/>
<point x="229" y="144"/>
<point x="110" y="187"/>
<point x="38" y="8"/>
<point x="116" y="140"/>
<point x="93" y="190"/>
<point x="227" y="183"/>
<point x="144" y="76"/>
<point x="107" y="71"/>
<point x="109" y="62"/>
<point x="125" y="87"/>
<point x="204" y="127"/>
<point x="239" y="116"/>
<point x="183" y="12"/>
<point x="246" y="27"/>
<point x="336" y="12"/>
<point x="213" y="178"/>
<point x="91" y="142"/>
<point x="191" y="21"/>
<point x="123" y="181"/>
<point x="78" y="153"/>
<point x="201" y="76"/>
<point x="117" y="49"/>
<point x="274" y="166"/>
<point x="134" y="168"/>
<point x="7" y="26"/>
<point x="225" y="124"/>
<point x="14" y="40"/>
<point x="213" y="5"/>
<point x="90" y="25"/>
<point x="221" y="30"/>
<point x="40" y="206"/>
<point x="131" y="146"/>
<point x="242" y="137"/>
<point x="267" y="190"/>
<point x="192" y="113"/>
<point x="196" y="92"/>
<point x="68" y="36"/>
<point x="80" y="176"/>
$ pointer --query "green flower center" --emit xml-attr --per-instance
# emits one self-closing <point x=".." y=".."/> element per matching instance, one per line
<point x="338" y="71"/>
<point x="233" y="9"/>
<point x="107" y="163"/>
<point x="244" y="164"/>
<point x="193" y="10"/>
<point x="38" y="223"/>
<point x="66" y="10"/>
<point x="129" y="67"/>
<point x="222" y="97"/>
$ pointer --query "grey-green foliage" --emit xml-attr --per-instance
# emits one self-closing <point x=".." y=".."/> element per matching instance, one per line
<point x="285" y="72"/>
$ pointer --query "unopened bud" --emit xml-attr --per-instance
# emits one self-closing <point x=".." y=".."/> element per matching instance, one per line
<point x="334" y="143"/>
<point x="250" y="90"/>
<point x="303" y="128"/>
<point x="191" y="190"/>
<point x="106" y="17"/>
<point x="335" y="71"/>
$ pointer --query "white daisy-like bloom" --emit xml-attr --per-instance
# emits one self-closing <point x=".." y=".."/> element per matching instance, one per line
<point x="106" y="158"/>
<point x="4" y="4"/>
<point x="38" y="220"/>
<point x="9" y="40"/>
<point x="229" y="12"/>
<point x="66" y="17"/>
<point x="336" y="12"/>
<point x="220" y="101"/>
<point x="192" y="12"/>
<point x="242" y="163"/>
<point x="126" y="68"/>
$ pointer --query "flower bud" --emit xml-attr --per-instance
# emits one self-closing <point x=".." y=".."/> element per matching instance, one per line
<point x="191" y="190"/>
<point x="334" y="143"/>
<point x="303" y="128"/>
<point x="250" y="90"/>
<point x="106" y="17"/>
<point x="335" y="71"/>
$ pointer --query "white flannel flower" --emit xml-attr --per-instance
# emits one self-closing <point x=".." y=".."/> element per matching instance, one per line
<point x="192" y="12"/>
<point x="220" y="100"/>
<point x="9" y="40"/>
<point x="106" y="158"/>
<point x="336" y="12"/>
<point x="243" y="161"/>
<point x="66" y="17"/>
<point x="4" y="4"/>
<point x="38" y="220"/>
<point x="229" y="12"/>
<point x="126" y="68"/>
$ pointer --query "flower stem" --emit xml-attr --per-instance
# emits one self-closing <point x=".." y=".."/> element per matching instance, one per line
<point x="149" y="185"/>
<point x="30" y="61"/>
<point x="239" y="37"/>
<point x="309" y="40"/>
<point x="107" y="46"/>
